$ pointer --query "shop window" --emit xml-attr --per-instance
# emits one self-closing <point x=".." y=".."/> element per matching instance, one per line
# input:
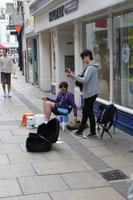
<point x="123" y="59"/>
<point x="96" y="38"/>
<point x="69" y="62"/>
<point x="30" y="60"/>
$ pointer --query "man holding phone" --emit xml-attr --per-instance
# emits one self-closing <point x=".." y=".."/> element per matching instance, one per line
<point x="90" y="91"/>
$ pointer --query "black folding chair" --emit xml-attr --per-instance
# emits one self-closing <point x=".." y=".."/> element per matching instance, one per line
<point x="106" y="118"/>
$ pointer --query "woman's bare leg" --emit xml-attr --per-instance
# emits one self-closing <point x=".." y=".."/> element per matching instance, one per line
<point x="48" y="106"/>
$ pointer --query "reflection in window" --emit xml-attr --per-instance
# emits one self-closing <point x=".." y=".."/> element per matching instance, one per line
<point x="123" y="54"/>
<point x="29" y="56"/>
<point x="97" y="40"/>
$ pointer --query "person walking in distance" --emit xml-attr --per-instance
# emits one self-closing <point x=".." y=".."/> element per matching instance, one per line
<point x="90" y="90"/>
<point x="6" y="68"/>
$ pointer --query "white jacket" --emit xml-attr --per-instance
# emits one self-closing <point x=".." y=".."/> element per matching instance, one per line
<point x="7" y="65"/>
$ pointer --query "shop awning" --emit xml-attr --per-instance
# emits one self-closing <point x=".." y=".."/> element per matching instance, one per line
<point x="3" y="47"/>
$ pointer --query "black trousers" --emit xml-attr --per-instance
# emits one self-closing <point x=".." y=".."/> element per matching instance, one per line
<point x="88" y="113"/>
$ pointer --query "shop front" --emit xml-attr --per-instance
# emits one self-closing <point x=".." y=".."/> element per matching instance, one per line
<point x="110" y="40"/>
<point x="105" y="29"/>
<point x="32" y="60"/>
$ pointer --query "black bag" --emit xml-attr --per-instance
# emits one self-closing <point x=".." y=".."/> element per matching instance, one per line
<point x="50" y="131"/>
<point x="35" y="143"/>
<point x="46" y="135"/>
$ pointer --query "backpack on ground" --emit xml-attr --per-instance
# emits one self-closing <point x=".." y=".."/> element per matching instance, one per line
<point x="105" y="118"/>
<point x="36" y="143"/>
<point x="46" y="135"/>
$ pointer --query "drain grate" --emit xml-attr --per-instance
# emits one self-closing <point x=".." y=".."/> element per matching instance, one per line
<point x="130" y="151"/>
<point x="113" y="175"/>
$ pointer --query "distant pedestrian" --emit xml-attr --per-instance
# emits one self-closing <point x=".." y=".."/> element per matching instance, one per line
<point x="15" y="58"/>
<point x="6" y="68"/>
<point x="97" y="57"/>
<point x="89" y="80"/>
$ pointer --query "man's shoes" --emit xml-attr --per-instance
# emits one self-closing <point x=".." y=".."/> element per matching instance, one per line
<point x="9" y="94"/>
<point x="4" y="94"/>
<point x="89" y="135"/>
<point x="92" y="134"/>
<point x="78" y="133"/>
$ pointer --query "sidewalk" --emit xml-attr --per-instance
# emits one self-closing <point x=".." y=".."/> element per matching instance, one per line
<point x="71" y="170"/>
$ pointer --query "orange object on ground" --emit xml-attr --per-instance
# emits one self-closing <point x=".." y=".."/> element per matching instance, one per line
<point x="24" y="119"/>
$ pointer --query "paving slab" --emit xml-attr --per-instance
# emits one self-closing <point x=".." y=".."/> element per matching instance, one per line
<point x="59" y="153"/>
<point x="83" y="180"/>
<point x="92" y="194"/>
<point x="5" y="133"/>
<point x="101" y="151"/>
<point x="58" y="167"/>
<point x="128" y="170"/>
<point x="8" y="148"/>
<point x="14" y="125"/>
<point x="30" y="197"/>
<point x="31" y="185"/>
<point x="26" y="157"/>
<point x="13" y="139"/>
<point x="9" y="188"/>
<point x="3" y="159"/>
<point x="16" y="170"/>
<point x="19" y="131"/>
<point x="118" y="160"/>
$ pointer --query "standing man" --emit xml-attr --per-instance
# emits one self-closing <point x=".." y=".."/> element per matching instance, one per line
<point x="6" y="68"/>
<point x="90" y="90"/>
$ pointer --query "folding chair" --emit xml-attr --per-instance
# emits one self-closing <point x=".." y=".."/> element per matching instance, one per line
<point x="105" y="119"/>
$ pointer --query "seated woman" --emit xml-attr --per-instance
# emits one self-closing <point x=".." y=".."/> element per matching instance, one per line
<point x="65" y="99"/>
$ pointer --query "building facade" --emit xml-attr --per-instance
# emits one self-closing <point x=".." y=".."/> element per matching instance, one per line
<point x="30" y="42"/>
<point x="6" y="38"/>
<point x="65" y="27"/>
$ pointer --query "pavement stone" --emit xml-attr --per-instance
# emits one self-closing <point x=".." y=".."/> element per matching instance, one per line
<point x="38" y="184"/>
<point x="59" y="167"/>
<point x="26" y="157"/>
<point x="9" y="187"/>
<point x="8" y="148"/>
<point x="13" y="139"/>
<point x="103" y="193"/>
<point x="83" y="180"/>
<point x="30" y="197"/>
<point x="3" y="159"/>
<point x="16" y="170"/>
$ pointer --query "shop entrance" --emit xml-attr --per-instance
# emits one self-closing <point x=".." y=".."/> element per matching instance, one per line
<point x="32" y="60"/>
<point x="35" y="61"/>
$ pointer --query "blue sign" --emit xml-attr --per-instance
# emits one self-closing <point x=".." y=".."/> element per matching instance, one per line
<point x="125" y="53"/>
